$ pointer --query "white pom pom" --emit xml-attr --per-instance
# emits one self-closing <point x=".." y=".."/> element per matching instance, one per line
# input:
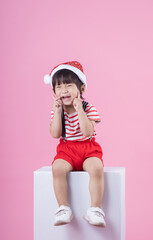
<point x="47" y="79"/>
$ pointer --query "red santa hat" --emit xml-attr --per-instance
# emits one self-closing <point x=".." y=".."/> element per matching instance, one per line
<point x="74" y="66"/>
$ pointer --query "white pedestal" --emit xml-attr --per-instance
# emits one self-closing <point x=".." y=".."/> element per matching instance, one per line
<point x="113" y="205"/>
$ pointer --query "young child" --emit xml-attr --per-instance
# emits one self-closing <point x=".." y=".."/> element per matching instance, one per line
<point x="73" y="121"/>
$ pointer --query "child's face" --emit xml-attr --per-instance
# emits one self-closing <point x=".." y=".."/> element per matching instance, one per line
<point x="67" y="92"/>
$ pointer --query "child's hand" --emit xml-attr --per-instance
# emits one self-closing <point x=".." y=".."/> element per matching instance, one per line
<point x="57" y="104"/>
<point x="77" y="103"/>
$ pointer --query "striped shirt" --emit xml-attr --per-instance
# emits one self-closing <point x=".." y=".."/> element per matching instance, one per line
<point x="72" y="128"/>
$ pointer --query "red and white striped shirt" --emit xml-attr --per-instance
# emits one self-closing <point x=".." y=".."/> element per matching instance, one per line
<point x="72" y="128"/>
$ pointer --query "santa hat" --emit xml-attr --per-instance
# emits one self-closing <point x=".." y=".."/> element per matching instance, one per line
<point x="74" y="66"/>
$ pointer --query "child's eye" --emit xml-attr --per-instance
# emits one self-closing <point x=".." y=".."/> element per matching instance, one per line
<point x="58" y="86"/>
<point x="69" y="85"/>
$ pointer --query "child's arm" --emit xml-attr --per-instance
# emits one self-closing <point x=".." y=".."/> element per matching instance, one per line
<point x="86" y="125"/>
<point x="56" y="124"/>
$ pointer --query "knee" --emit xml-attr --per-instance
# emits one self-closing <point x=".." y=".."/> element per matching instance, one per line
<point x="96" y="171"/>
<point x="58" y="170"/>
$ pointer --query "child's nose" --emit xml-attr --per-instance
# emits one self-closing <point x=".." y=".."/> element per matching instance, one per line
<point x="64" y="88"/>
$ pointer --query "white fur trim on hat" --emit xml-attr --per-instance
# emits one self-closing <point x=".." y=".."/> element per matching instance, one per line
<point x="78" y="72"/>
<point x="48" y="78"/>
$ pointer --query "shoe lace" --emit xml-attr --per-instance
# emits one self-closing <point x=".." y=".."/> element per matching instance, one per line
<point x="97" y="213"/>
<point x="61" y="212"/>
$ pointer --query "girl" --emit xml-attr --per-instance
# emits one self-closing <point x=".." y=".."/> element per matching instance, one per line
<point x="73" y="121"/>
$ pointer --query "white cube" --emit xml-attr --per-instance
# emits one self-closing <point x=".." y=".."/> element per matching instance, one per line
<point x="113" y="205"/>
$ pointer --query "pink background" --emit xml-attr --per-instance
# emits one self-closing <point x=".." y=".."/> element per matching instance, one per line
<point x="114" y="42"/>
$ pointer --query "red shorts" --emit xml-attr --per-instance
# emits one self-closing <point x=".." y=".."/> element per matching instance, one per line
<point x="76" y="152"/>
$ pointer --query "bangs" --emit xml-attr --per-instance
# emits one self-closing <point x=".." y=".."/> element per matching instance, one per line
<point x="62" y="76"/>
<point x="65" y="76"/>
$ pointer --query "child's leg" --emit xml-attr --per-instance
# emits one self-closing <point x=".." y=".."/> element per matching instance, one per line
<point x="60" y="168"/>
<point x="94" y="167"/>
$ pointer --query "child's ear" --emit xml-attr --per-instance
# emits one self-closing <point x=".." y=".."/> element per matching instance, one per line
<point x="83" y="88"/>
<point x="53" y="92"/>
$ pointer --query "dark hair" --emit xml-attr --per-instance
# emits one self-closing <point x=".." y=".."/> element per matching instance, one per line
<point x="67" y="76"/>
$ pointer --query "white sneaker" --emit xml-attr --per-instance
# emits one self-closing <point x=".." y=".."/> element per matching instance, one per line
<point x="63" y="215"/>
<point x="95" y="216"/>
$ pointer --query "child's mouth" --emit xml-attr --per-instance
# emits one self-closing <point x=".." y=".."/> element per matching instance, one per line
<point x="65" y="98"/>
